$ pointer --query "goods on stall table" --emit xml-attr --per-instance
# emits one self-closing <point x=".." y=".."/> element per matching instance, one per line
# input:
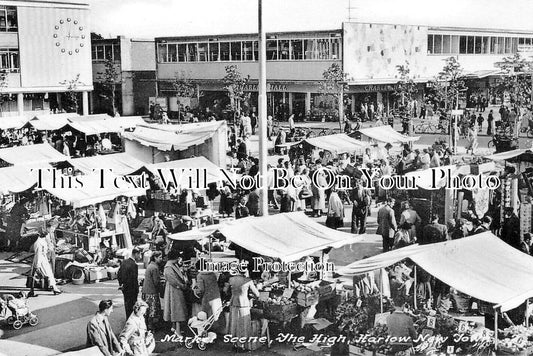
<point x="94" y="274"/>
<point x="517" y="340"/>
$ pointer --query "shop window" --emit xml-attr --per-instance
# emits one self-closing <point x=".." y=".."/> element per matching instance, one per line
<point x="430" y="44"/>
<point x="93" y="53"/>
<point x="336" y="48"/>
<point x="272" y="50"/>
<point x="224" y="51"/>
<point x="247" y="51"/>
<point x="462" y="44"/>
<point x="454" y="45"/>
<point x="501" y="45"/>
<point x="12" y="25"/>
<point x="477" y="44"/>
<point x="485" y="46"/>
<point x="236" y="51"/>
<point x="437" y="44"/>
<point x="521" y="41"/>
<point x="116" y="52"/>
<point x="172" y="52"/>
<point x="9" y="59"/>
<point x="182" y="52"/>
<point x="213" y="52"/>
<point x="309" y="49"/>
<point x="161" y="52"/>
<point x="192" y="54"/>
<point x="446" y="44"/>
<point x="100" y="53"/>
<point x="493" y="45"/>
<point x="297" y="52"/>
<point x="323" y="49"/>
<point x="528" y="41"/>
<point x="514" y="45"/>
<point x="283" y="49"/>
<point x="256" y="50"/>
<point x="202" y="52"/>
<point x="108" y="52"/>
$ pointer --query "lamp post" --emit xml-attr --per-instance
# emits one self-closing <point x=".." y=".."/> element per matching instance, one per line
<point x="262" y="114"/>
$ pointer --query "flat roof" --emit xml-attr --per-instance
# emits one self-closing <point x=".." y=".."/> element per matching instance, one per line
<point x="231" y="35"/>
<point x="51" y="3"/>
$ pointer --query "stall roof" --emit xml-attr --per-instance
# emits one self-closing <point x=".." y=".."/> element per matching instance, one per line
<point x="12" y="122"/>
<point x="436" y="178"/>
<point x="50" y="122"/>
<point x="173" y="137"/>
<point x="500" y="274"/>
<point x="103" y="123"/>
<point x="16" y="179"/>
<point x="91" y="192"/>
<point x="338" y="143"/>
<point x="119" y="163"/>
<point x="387" y="134"/>
<point x="267" y="235"/>
<point x="26" y="155"/>
<point x="189" y="167"/>
<point x="524" y="155"/>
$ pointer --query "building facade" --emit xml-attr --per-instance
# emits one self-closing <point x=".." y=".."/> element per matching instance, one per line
<point x="369" y="54"/>
<point x="134" y="71"/>
<point x="45" y="53"/>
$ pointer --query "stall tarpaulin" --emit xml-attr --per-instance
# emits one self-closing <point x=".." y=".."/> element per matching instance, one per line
<point x="12" y="122"/>
<point x="482" y="266"/>
<point x="51" y="122"/>
<point x="387" y="134"/>
<point x="269" y="236"/>
<point x="188" y="170"/>
<point x="518" y="155"/>
<point x="338" y="143"/>
<point x="16" y="179"/>
<point x="91" y="192"/>
<point x="119" y="163"/>
<point x="103" y="123"/>
<point x="30" y="154"/>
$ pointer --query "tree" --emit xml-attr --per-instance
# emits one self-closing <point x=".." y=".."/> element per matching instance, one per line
<point x="449" y="85"/>
<point x="334" y="84"/>
<point x="70" y="103"/>
<point x="406" y="88"/>
<point x="109" y="79"/>
<point x="235" y="83"/>
<point x="184" y="88"/>
<point x="515" y="80"/>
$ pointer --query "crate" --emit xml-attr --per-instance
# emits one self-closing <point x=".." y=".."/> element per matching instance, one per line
<point x="306" y="299"/>
<point x="281" y="312"/>
<point x="94" y="274"/>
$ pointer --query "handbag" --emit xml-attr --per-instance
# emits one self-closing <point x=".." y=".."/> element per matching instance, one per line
<point x="305" y="193"/>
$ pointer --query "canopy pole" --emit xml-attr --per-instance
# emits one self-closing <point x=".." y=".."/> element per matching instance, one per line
<point x="495" y="329"/>
<point x="414" y="291"/>
<point x="527" y="313"/>
<point x="381" y="289"/>
<point x="263" y="143"/>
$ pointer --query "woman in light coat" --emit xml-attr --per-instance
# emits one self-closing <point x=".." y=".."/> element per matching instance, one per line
<point x="135" y="339"/>
<point x="41" y="262"/>
<point x="207" y="288"/>
<point x="175" y="307"/>
<point x="335" y="217"/>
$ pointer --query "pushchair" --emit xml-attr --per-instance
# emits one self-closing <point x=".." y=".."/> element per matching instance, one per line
<point x="20" y="312"/>
<point x="199" y="326"/>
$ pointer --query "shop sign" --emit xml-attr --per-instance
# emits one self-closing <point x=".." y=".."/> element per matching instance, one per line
<point x="374" y="88"/>
<point x="270" y="87"/>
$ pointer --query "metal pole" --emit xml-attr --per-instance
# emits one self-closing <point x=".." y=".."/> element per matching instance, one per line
<point x="496" y="329"/>
<point x="414" y="288"/>
<point x="527" y="313"/>
<point x="381" y="289"/>
<point x="262" y="113"/>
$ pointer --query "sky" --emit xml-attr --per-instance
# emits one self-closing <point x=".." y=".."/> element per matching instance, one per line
<point x="153" y="18"/>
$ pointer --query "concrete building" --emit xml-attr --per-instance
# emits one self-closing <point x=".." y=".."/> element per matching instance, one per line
<point x="44" y="48"/>
<point x="134" y="62"/>
<point x="369" y="54"/>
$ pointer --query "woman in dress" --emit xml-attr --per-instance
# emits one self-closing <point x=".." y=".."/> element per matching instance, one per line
<point x="41" y="264"/>
<point x="240" y="319"/>
<point x="207" y="289"/>
<point x="175" y="307"/>
<point x="335" y="217"/>
<point x="319" y="194"/>
<point x="135" y="339"/>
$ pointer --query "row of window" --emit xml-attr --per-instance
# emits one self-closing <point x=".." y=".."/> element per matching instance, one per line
<point x="452" y="44"/>
<point x="8" y="19"/>
<point x="276" y="49"/>
<point x="9" y="59"/>
<point x="106" y="51"/>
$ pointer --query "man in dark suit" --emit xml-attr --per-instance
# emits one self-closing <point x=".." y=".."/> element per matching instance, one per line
<point x="99" y="332"/>
<point x="360" y="205"/>
<point x="387" y="224"/>
<point x="128" y="279"/>
<point x="434" y="232"/>
<point x="511" y="228"/>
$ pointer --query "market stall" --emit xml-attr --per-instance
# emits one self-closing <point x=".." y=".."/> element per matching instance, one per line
<point x="103" y="123"/>
<point x="118" y="163"/>
<point x="50" y="122"/>
<point x="155" y="143"/>
<point x="331" y="146"/>
<point x="499" y="276"/>
<point x="384" y="134"/>
<point x="12" y="122"/>
<point x="30" y="155"/>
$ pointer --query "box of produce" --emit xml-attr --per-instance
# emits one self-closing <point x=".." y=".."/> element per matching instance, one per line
<point x="283" y="309"/>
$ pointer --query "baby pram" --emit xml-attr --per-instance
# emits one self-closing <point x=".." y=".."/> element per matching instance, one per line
<point x="20" y="312"/>
<point x="199" y="326"/>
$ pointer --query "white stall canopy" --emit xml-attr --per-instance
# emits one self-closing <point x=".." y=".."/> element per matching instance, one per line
<point x="16" y="179"/>
<point x="482" y="266"/>
<point x="338" y="143"/>
<point x="386" y="134"/>
<point x="119" y="163"/>
<point x="51" y="122"/>
<point x="103" y="123"/>
<point x="31" y="154"/>
<point x="12" y="122"/>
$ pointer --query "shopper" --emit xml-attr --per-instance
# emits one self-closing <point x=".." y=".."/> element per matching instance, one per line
<point x="207" y="288"/>
<point x="387" y="224"/>
<point x="41" y="264"/>
<point x="128" y="280"/>
<point x="135" y="339"/>
<point x="151" y="288"/>
<point x="434" y="232"/>
<point x="99" y="332"/>
<point x="175" y="308"/>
